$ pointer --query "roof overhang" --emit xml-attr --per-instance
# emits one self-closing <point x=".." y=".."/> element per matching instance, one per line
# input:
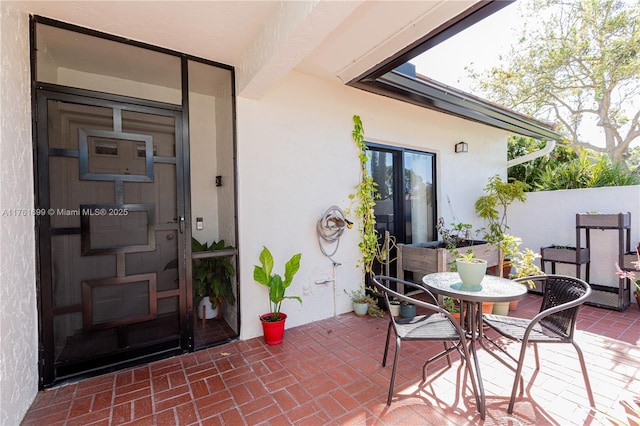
<point x="394" y="78"/>
<point x="430" y="94"/>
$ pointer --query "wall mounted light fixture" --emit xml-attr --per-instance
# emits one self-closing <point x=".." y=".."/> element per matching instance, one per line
<point x="461" y="147"/>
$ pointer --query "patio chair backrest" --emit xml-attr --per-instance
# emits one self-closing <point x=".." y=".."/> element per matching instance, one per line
<point x="381" y="283"/>
<point x="565" y="291"/>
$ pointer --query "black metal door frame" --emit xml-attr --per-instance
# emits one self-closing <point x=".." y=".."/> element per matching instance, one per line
<point x="45" y="92"/>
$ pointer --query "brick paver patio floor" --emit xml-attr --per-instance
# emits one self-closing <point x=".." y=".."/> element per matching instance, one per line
<point x="329" y="373"/>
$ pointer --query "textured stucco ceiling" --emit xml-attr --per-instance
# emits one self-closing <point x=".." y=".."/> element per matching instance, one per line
<point x="264" y="40"/>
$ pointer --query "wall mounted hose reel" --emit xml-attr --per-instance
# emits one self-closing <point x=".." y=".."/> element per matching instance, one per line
<point x="330" y="228"/>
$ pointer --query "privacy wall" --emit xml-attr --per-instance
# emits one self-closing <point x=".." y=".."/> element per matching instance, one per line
<point x="549" y="218"/>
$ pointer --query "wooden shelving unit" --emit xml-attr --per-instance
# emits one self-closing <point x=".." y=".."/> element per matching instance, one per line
<point x="607" y="296"/>
<point x="571" y="255"/>
<point x="603" y="296"/>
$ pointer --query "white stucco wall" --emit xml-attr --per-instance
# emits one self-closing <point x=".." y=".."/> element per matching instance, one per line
<point x="296" y="158"/>
<point x="549" y="217"/>
<point x="18" y="315"/>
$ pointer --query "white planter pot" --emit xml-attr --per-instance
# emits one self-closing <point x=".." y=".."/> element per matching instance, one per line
<point x="471" y="271"/>
<point x="209" y="310"/>
<point x="394" y="309"/>
<point x="501" y="308"/>
<point x="360" y="308"/>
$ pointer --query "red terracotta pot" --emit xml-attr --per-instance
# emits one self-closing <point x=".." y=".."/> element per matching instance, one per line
<point x="487" y="307"/>
<point x="273" y="330"/>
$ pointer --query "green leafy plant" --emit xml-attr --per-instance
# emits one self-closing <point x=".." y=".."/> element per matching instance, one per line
<point x="469" y="256"/>
<point x="212" y="276"/>
<point x="493" y="208"/>
<point x="457" y="236"/>
<point x="372" y="246"/>
<point x="374" y="310"/>
<point x="366" y="195"/>
<point x="553" y="70"/>
<point x="451" y="305"/>
<point x="360" y="295"/>
<point x="524" y="264"/>
<point x="588" y="170"/>
<point x="277" y="286"/>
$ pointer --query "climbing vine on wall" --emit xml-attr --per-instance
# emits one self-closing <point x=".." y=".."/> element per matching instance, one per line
<point x="365" y="195"/>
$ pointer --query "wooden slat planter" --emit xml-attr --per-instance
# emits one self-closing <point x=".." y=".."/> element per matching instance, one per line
<point x="607" y="296"/>
<point x="565" y="254"/>
<point x="426" y="258"/>
<point x="602" y="221"/>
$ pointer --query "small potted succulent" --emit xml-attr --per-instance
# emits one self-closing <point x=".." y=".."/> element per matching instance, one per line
<point x="363" y="303"/>
<point x="359" y="301"/>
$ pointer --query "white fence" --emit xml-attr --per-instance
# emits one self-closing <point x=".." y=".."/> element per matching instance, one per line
<point x="549" y="217"/>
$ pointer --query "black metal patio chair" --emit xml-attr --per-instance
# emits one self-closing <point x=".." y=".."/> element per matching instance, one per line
<point x="436" y="325"/>
<point x="562" y="296"/>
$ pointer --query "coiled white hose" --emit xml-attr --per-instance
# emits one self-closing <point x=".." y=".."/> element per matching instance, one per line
<point x="330" y="228"/>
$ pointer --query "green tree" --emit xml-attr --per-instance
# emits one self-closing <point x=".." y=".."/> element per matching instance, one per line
<point x="579" y="63"/>
<point x="531" y="171"/>
<point x="634" y="159"/>
<point x="563" y="168"/>
<point x="589" y="170"/>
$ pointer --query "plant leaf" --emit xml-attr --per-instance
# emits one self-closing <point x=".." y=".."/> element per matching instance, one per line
<point x="291" y="268"/>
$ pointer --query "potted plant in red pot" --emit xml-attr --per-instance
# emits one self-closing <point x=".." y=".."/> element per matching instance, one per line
<point x="273" y="322"/>
<point x="452" y="306"/>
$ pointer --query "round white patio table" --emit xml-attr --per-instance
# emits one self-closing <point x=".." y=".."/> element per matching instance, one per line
<point x="491" y="289"/>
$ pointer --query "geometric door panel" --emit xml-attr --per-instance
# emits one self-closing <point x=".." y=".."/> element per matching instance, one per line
<point x="111" y="174"/>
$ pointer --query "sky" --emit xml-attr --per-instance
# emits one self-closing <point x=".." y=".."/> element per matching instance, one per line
<point x="480" y="46"/>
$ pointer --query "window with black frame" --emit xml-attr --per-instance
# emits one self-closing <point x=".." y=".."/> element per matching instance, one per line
<point x="407" y="195"/>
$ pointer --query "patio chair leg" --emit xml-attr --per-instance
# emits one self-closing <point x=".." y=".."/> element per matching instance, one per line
<point x="585" y="376"/>
<point x="535" y="351"/>
<point x="446" y="348"/>
<point x="518" y="377"/>
<point x="393" y="371"/>
<point x="386" y="346"/>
